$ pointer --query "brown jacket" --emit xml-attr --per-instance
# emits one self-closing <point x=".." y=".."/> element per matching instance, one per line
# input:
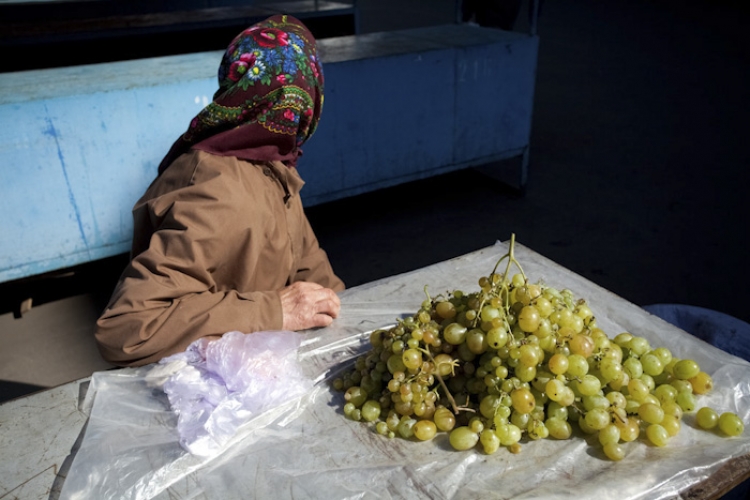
<point x="215" y="238"/>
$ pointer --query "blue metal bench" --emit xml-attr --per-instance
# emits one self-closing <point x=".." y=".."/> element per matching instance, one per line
<point x="78" y="145"/>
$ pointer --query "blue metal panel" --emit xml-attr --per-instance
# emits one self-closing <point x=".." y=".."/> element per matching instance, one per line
<point x="494" y="97"/>
<point x="74" y="165"/>
<point x="384" y="120"/>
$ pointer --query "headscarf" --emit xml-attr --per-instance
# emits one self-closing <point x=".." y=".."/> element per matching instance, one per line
<point x="269" y="100"/>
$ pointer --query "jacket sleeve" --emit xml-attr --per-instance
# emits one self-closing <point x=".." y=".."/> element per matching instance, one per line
<point x="314" y="265"/>
<point x="168" y="297"/>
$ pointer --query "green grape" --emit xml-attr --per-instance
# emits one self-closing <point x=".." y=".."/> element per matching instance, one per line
<point x="529" y="318"/>
<point x="671" y="424"/>
<point x="638" y="389"/>
<point x="396" y="363"/>
<point x="633" y="367"/>
<point x="622" y="339"/>
<point x="444" y="419"/>
<point x="523" y="401"/>
<point x="382" y="428"/>
<point x="652" y="364"/>
<point x="651" y="413"/>
<point x="664" y="355"/>
<point x="445" y="309"/>
<point x="639" y="345"/>
<point x="629" y="429"/>
<point x="476" y="425"/>
<point x="577" y="365"/>
<point x="657" y="435"/>
<point x="665" y="393"/>
<point x="614" y="451"/>
<point x="597" y="418"/>
<point x="672" y="408"/>
<point x="686" y="400"/>
<point x="536" y="430"/>
<point x="497" y="337"/>
<point x="349" y="408"/>
<point x="610" y="369"/>
<point x="610" y="434"/>
<point x="412" y="359"/>
<point x="616" y="399"/>
<point x="463" y="438"/>
<point x="475" y="341"/>
<point x="356" y="396"/>
<point x="707" y="418"/>
<point x="425" y="430"/>
<point x="589" y="385"/>
<point x="702" y="383"/>
<point x="455" y="334"/>
<point x="595" y="401"/>
<point x="731" y="424"/>
<point x="490" y="441"/>
<point x="558" y="428"/>
<point x="686" y="369"/>
<point x="682" y="386"/>
<point x="568" y="397"/>
<point x="406" y="427"/>
<point x="509" y="434"/>
<point x="558" y="364"/>
<point x="370" y="410"/>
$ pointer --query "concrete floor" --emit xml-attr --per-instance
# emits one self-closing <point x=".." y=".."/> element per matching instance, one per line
<point x="638" y="176"/>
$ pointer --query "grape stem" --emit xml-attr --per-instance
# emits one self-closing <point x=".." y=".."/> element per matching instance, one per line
<point x="456" y="407"/>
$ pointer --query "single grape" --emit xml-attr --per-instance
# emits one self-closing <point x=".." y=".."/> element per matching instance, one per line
<point x="444" y="419"/>
<point x="657" y="435"/>
<point x="614" y="451"/>
<point x="597" y="418"/>
<point x="707" y="418"/>
<point x="651" y="413"/>
<point x="406" y="427"/>
<point x="610" y="434"/>
<point x="558" y="428"/>
<point x="370" y="410"/>
<point x="686" y="369"/>
<point x="523" y="401"/>
<point x="671" y="424"/>
<point x="731" y="424"/>
<point x="462" y="438"/>
<point x="425" y="430"/>
<point x="490" y="441"/>
<point x="686" y="400"/>
<point x="702" y="383"/>
<point x="356" y="396"/>
<point x="455" y="333"/>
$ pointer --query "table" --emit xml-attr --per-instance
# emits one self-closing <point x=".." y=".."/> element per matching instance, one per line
<point x="310" y="450"/>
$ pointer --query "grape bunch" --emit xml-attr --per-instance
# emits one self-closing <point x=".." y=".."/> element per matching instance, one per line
<point x="517" y="361"/>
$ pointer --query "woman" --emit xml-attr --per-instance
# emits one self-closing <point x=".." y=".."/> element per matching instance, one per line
<point x="221" y="241"/>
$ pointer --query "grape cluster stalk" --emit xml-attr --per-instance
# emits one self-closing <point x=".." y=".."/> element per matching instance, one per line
<point x="516" y="362"/>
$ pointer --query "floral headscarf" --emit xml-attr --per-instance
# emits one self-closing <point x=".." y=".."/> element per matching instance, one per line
<point x="269" y="100"/>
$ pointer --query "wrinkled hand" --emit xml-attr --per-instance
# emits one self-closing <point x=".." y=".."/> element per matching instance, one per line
<point x="308" y="305"/>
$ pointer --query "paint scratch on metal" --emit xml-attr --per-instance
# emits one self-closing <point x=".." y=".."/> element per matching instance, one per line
<point x="52" y="132"/>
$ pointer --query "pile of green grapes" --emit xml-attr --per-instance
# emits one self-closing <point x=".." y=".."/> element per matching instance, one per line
<point x="516" y="362"/>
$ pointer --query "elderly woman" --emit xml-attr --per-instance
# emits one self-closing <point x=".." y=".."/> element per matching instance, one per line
<point x="221" y="242"/>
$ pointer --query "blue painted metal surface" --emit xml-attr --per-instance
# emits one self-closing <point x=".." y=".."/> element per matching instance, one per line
<point x="79" y="145"/>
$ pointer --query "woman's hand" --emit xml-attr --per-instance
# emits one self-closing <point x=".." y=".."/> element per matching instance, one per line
<point x="308" y="305"/>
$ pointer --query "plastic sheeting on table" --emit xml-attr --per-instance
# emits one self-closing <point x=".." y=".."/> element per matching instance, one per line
<point x="307" y="449"/>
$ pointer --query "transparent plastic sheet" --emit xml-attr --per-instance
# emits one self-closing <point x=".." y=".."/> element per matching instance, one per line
<point x="307" y="449"/>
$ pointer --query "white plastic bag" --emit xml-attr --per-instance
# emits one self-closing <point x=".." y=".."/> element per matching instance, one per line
<point x="216" y="386"/>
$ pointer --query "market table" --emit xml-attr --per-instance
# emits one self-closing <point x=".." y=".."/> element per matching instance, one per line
<point x="113" y="436"/>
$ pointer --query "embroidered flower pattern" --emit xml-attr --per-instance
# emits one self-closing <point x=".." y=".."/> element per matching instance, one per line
<point x="270" y="76"/>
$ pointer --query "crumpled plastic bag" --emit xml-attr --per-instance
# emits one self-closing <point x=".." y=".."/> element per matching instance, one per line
<point x="216" y="386"/>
